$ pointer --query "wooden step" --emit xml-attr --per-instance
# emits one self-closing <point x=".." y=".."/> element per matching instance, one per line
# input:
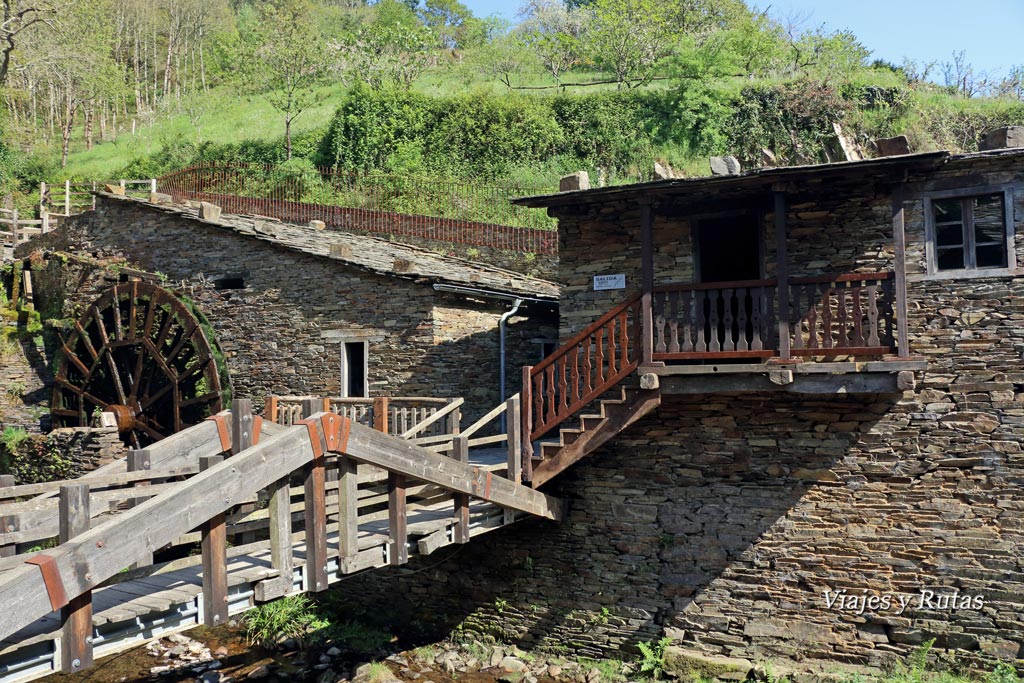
<point x="569" y="435"/>
<point x="596" y="431"/>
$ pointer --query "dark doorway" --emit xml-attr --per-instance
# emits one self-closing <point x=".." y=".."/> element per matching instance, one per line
<point x="729" y="248"/>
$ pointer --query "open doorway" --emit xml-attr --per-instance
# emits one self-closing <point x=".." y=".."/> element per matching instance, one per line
<point x="728" y="249"/>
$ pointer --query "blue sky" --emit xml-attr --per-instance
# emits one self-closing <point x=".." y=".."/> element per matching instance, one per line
<point x="990" y="31"/>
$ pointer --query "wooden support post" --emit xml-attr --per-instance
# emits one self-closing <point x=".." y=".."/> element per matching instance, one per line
<point x="270" y="408"/>
<point x="460" y="452"/>
<point x="152" y="184"/>
<point x="646" y="341"/>
<point x="8" y="523"/>
<point x="309" y="406"/>
<point x="315" y="494"/>
<point x="782" y="273"/>
<point x="348" y="511"/>
<point x="15" y="236"/>
<point x="526" y="405"/>
<point x="140" y="461"/>
<point x="215" y="560"/>
<point x="76" y="616"/>
<point x="280" y="521"/>
<point x="513" y="419"/>
<point x="241" y="438"/>
<point x="398" y="546"/>
<point x="67" y="197"/>
<point x="900" y="244"/>
<point x="44" y="220"/>
<point x="380" y="414"/>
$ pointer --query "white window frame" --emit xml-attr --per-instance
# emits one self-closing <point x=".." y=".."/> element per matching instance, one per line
<point x="345" y="367"/>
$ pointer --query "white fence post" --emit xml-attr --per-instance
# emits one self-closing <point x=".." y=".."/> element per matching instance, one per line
<point x="152" y="185"/>
<point x="15" y="238"/>
<point x="67" y="197"/>
<point x="44" y="217"/>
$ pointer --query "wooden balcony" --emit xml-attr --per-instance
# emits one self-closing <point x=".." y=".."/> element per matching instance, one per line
<point x="846" y="315"/>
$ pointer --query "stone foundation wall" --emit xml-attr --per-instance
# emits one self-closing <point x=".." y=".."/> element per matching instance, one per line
<point x="64" y="453"/>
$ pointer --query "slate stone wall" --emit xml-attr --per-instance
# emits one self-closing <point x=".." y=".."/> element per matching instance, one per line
<point x="282" y="332"/>
<point x="752" y="525"/>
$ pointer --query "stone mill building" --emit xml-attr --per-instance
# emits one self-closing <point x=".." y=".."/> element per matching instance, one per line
<point x="833" y="468"/>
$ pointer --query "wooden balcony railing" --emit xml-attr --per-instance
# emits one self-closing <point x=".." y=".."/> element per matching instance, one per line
<point x="844" y="314"/>
<point x="841" y="315"/>
<point x="586" y="366"/>
<point x="719" y="320"/>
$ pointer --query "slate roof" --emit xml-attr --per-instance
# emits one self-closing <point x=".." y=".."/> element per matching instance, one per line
<point x="368" y="253"/>
<point x="760" y="178"/>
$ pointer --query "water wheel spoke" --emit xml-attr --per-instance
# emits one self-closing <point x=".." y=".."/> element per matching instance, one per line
<point x="143" y="356"/>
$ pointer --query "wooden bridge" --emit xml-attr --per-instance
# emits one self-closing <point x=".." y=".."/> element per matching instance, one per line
<point x="303" y="504"/>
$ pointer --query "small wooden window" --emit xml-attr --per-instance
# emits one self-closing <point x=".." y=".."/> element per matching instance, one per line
<point x="970" y="233"/>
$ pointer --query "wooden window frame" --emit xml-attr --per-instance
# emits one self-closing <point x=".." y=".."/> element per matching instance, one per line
<point x="969" y="246"/>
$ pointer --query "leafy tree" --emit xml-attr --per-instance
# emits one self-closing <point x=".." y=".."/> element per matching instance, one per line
<point x="287" y="60"/>
<point x="629" y="38"/>
<point x="393" y="49"/>
<point x="453" y="24"/>
<point x="17" y="17"/>
<point x="554" y="32"/>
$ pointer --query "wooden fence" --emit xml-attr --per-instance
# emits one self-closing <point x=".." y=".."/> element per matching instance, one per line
<point x="76" y="197"/>
<point x="19" y="230"/>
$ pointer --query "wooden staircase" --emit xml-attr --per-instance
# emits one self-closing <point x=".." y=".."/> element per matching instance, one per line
<point x="598" y="361"/>
<point x="614" y="416"/>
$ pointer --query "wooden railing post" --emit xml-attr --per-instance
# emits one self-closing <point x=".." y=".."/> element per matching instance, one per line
<point x="76" y="616"/>
<point x="242" y="438"/>
<point x="348" y="511"/>
<point x="782" y="274"/>
<point x="398" y="545"/>
<point x="460" y="453"/>
<point x="8" y="523"/>
<point x="380" y="414"/>
<point x="67" y="197"/>
<point x="526" y="406"/>
<point x="315" y="495"/>
<point x="646" y="340"/>
<point x="140" y="461"/>
<point x="513" y="420"/>
<point x="900" y="244"/>
<point x="215" y="559"/>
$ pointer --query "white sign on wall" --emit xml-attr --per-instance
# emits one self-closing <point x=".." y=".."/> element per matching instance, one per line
<point x="609" y="282"/>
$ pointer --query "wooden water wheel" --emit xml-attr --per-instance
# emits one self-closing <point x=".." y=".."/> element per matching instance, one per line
<point x="140" y="353"/>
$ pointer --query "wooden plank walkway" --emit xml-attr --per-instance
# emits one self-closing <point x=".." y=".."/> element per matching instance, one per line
<point x="128" y="612"/>
<point x="366" y="497"/>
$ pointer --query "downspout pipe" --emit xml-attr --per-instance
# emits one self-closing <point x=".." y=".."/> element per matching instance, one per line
<point x="517" y="301"/>
<point x="501" y="352"/>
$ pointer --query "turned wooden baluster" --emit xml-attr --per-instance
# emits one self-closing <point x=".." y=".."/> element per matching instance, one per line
<point x="588" y="367"/>
<point x="574" y="367"/>
<point x="538" y="402"/>
<point x="659" y="303"/>
<point x="873" y="339"/>
<point x="612" y="350"/>
<point x="624" y="356"/>
<point x="686" y="304"/>
<point x="549" y="391"/>
<point x="843" y="331"/>
<point x="756" y="296"/>
<point x="728" y="342"/>
<point x="858" y="317"/>
<point x="742" y="342"/>
<point x="673" y="324"/>
<point x="716" y="344"/>
<point x="563" y="387"/>
<point x="600" y="356"/>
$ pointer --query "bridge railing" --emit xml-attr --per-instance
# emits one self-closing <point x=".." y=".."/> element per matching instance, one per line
<point x="73" y="197"/>
<point x="265" y="479"/>
<point x="394" y="415"/>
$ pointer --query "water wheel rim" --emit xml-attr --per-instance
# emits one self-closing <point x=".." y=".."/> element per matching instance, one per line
<point x="140" y="353"/>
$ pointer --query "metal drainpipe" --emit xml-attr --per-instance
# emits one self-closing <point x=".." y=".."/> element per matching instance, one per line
<point x="501" y="352"/>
